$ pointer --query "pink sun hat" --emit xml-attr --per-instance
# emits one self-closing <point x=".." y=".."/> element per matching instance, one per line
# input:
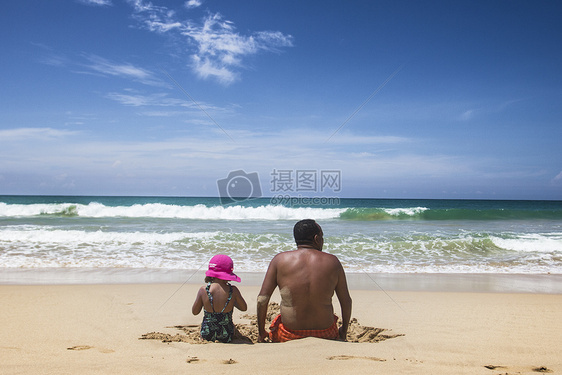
<point x="222" y="267"/>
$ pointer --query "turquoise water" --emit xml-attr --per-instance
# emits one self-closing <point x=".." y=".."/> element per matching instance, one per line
<point x="368" y="235"/>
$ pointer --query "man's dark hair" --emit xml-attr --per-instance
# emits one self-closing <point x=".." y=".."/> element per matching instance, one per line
<point x="305" y="230"/>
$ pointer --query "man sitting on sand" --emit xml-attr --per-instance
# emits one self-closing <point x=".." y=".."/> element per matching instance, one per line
<point x="307" y="279"/>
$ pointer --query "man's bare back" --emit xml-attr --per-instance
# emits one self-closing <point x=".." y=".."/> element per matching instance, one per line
<point x="307" y="279"/>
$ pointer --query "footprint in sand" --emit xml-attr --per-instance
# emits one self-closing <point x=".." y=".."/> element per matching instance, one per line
<point x="542" y="369"/>
<point x="86" y="347"/>
<point x="80" y="347"/>
<point x="10" y="347"/>
<point x="346" y="357"/>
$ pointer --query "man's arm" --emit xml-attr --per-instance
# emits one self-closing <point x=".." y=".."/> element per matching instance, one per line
<point x="342" y="293"/>
<point x="268" y="286"/>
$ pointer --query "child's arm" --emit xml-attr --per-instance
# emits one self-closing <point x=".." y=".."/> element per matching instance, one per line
<point x="198" y="304"/>
<point x="239" y="301"/>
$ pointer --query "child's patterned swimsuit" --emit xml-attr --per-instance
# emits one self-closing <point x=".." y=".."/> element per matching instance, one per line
<point x="217" y="326"/>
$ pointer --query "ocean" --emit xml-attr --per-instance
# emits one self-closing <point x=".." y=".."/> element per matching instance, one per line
<point x="368" y="235"/>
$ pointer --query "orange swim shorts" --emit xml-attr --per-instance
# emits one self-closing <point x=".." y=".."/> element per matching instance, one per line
<point x="279" y="333"/>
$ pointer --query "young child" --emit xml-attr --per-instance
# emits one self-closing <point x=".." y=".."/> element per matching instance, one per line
<point x="218" y="299"/>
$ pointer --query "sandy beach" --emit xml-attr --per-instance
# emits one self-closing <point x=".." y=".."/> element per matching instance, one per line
<point x="97" y="329"/>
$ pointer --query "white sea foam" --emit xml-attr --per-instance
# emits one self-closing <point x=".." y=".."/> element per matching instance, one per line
<point x="367" y="239"/>
<point x="159" y="210"/>
<point x="33" y="246"/>
<point x="531" y="243"/>
<point x="73" y="237"/>
<point x="411" y="211"/>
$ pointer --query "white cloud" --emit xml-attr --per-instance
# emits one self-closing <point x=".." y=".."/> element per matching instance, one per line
<point x="162" y="27"/>
<point x="54" y="60"/>
<point x="205" y="68"/>
<point x="558" y="177"/>
<point x="162" y="113"/>
<point x="467" y="115"/>
<point x="49" y="56"/>
<point x="142" y="6"/>
<point x="190" y="4"/>
<point x="139" y="100"/>
<point x="208" y="146"/>
<point x="96" y="2"/>
<point x="34" y="133"/>
<point x="352" y="139"/>
<point x="136" y="99"/>
<point x="156" y="18"/>
<point x="124" y="70"/>
<point x="219" y="49"/>
<point x="270" y="40"/>
<point x="205" y="154"/>
<point x="100" y="66"/>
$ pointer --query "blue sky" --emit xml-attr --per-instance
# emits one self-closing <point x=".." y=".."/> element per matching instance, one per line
<point x="407" y="99"/>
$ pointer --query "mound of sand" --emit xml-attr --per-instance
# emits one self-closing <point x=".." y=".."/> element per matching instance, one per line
<point x="248" y="333"/>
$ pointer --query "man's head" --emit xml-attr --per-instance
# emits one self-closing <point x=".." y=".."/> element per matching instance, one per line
<point x="308" y="232"/>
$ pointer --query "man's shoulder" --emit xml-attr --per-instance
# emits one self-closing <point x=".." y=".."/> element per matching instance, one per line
<point x="295" y="254"/>
<point x="325" y="255"/>
<point x="280" y="257"/>
<point x="332" y="259"/>
<point x="285" y="254"/>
